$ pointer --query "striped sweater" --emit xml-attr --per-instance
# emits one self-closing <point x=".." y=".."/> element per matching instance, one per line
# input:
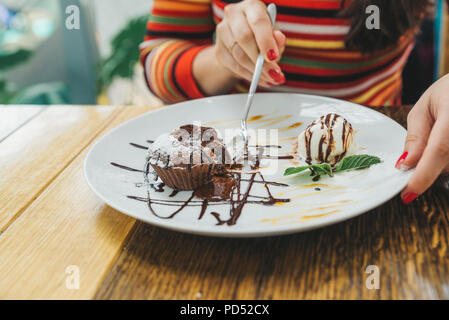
<point x="315" y="59"/>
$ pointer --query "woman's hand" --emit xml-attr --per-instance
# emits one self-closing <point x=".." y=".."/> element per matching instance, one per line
<point x="245" y="31"/>
<point x="427" y="143"/>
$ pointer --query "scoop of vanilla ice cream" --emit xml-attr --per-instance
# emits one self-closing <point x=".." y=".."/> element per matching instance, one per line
<point x="326" y="140"/>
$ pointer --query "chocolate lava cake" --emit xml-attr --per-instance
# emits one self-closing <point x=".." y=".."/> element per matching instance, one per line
<point x="188" y="157"/>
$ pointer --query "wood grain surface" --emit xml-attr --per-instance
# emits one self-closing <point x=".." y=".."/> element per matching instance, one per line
<point x="35" y="154"/>
<point x="58" y="221"/>
<point x="14" y="117"/>
<point x="65" y="224"/>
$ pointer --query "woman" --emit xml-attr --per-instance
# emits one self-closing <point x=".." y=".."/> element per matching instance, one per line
<point x="319" y="47"/>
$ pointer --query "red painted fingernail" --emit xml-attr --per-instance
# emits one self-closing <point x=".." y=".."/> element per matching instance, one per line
<point x="276" y="76"/>
<point x="401" y="159"/>
<point x="282" y="78"/>
<point x="409" y="197"/>
<point x="272" y="55"/>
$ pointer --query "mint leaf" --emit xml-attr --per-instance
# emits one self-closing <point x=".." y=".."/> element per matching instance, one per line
<point x="355" y="162"/>
<point x="317" y="169"/>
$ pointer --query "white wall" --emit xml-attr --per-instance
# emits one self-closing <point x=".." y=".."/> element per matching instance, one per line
<point x="112" y="15"/>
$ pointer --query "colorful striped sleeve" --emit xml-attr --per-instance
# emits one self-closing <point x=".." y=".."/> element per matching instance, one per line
<point x="176" y="31"/>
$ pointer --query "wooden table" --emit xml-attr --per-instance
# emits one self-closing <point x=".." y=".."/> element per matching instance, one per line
<point x="50" y="220"/>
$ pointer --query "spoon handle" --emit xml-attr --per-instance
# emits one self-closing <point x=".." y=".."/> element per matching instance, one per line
<point x="271" y="9"/>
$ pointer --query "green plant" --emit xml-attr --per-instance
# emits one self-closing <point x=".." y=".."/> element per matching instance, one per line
<point x="125" y="53"/>
<point x="43" y="93"/>
<point x="11" y="59"/>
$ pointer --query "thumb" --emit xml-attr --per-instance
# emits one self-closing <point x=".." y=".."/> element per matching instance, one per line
<point x="433" y="161"/>
<point x="419" y="126"/>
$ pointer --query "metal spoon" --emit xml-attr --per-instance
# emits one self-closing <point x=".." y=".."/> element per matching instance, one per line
<point x="271" y="9"/>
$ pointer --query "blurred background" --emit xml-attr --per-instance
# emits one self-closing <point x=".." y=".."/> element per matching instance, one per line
<point x="43" y="62"/>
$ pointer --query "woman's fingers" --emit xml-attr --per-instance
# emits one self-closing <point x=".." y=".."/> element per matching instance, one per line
<point x="233" y="47"/>
<point x="280" y="40"/>
<point x="245" y="31"/>
<point x="260" y="24"/>
<point x="240" y="56"/>
<point x="240" y="31"/>
<point x="273" y="70"/>
<point x="433" y="161"/>
<point x="226" y="59"/>
<point x="236" y="34"/>
<point x="274" y="73"/>
<point x="427" y="140"/>
<point x="419" y="123"/>
<point x="242" y="44"/>
<point x="224" y="35"/>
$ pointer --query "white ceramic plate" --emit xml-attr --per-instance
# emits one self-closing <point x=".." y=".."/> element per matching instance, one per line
<point x="312" y="204"/>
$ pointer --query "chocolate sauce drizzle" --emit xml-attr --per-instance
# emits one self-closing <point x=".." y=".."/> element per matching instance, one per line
<point x="125" y="167"/>
<point x="138" y="146"/>
<point x="222" y="190"/>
